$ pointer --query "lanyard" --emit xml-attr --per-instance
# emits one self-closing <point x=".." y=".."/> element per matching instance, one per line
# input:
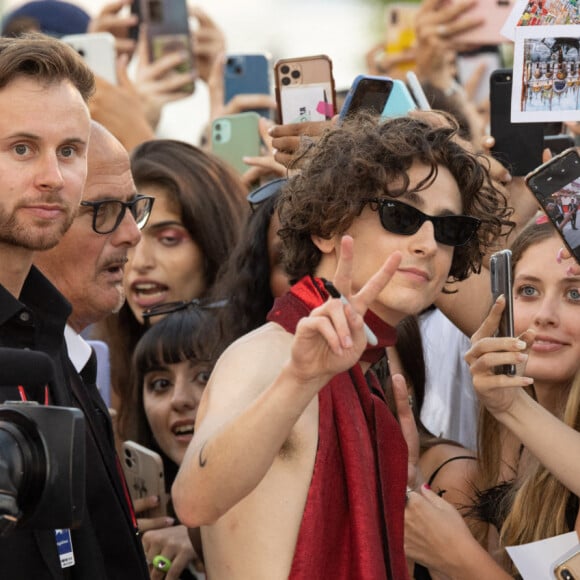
<point x="23" y="396"/>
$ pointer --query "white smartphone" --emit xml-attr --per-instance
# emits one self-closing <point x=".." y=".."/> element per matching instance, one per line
<point x="98" y="50"/>
<point x="143" y="469"/>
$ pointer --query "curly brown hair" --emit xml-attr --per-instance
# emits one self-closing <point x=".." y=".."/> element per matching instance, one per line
<point x="363" y="159"/>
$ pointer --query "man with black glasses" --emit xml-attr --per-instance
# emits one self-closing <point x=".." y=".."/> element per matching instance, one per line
<point x="87" y="267"/>
<point x="298" y="468"/>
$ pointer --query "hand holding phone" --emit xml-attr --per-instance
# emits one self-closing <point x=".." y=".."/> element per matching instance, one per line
<point x="500" y="267"/>
<point x="143" y="469"/>
<point x="556" y="186"/>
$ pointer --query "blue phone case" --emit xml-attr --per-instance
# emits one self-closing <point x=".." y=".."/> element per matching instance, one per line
<point x="247" y="74"/>
<point x="400" y="101"/>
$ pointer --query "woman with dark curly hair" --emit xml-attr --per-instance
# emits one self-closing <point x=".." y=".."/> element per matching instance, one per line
<point x="299" y="468"/>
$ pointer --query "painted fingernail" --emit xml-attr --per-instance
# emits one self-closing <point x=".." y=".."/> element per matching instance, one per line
<point x="521" y="344"/>
<point x="559" y="256"/>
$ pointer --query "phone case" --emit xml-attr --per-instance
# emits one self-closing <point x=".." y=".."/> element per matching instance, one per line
<point x="400" y="101"/>
<point x="500" y="266"/>
<point x="400" y="31"/>
<point x="98" y="50"/>
<point x="556" y="186"/>
<point x="143" y="469"/>
<point x="305" y="89"/>
<point x="367" y="93"/>
<point x="247" y="74"/>
<point x="168" y="31"/>
<point x="518" y="146"/>
<point x="558" y="143"/>
<point x="236" y="136"/>
<point x="569" y="567"/>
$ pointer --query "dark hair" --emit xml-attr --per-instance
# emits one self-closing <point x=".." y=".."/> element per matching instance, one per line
<point x="210" y="198"/>
<point x="362" y="159"/>
<point x="245" y="278"/>
<point x="45" y="60"/>
<point x="188" y="334"/>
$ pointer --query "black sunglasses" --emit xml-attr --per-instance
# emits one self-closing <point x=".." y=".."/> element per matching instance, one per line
<point x="265" y="191"/>
<point x="399" y="218"/>
<point x="171" y="307"/>
<point x="109" y="213"/>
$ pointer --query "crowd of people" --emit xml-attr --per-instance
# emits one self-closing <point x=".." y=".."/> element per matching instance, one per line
<point x="310" y="346"/>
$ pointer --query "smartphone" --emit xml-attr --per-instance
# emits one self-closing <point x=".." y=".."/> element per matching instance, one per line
<point x="368" y="93"/>
<point x="236" y="136"/>
<point x="518" y="146"/>
<point x="246" y="74"/>
<point x="500" y="266"/>
<point x="569" y="567"/>
<point x="400" y="31"/>
<point x="493" y="14"/>
<point x="417" y="91"/>
<point x="400" y="101"/>
<point x="99" y="52"/>
<point x="143" y="469"/>
<point x="558" y="143"/>
<point x="167" y="25"/>
<point x="305" y="89"/>
<point x="556" y="186"/>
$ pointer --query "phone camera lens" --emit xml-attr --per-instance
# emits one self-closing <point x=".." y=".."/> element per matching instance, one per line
<point x="230" y="61"/>
<point x="286" y="81"/>
<point x="81" y="52"/>
<point x="128" y="462"/>
<point x="217" y="137"/>
<point x="218" y="127"/>
<point x="508" y="78"/>
<point x="238" y="69"/>
<point x="295" y="74"/>
<point x="285" y="69"/>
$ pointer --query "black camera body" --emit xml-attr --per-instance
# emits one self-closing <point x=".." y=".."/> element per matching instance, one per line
<point x="42" y="453"/>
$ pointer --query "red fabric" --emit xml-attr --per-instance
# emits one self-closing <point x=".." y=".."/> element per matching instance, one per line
<point x="352" y="526"/>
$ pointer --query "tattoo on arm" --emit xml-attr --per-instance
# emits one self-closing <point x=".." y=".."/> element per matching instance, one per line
<point x="202" y="460"/>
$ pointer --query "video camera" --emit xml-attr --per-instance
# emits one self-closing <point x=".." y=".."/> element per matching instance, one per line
<point x="42" y="451"/>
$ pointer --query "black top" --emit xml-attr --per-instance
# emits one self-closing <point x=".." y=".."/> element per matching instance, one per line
<point x="106" y="545"/>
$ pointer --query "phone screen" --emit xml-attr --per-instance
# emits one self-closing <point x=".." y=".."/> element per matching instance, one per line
<point x="369" y="95"/>
<point x="556" y="186"/>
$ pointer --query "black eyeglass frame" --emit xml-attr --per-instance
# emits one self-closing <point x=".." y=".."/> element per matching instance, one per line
<point x="264" y="192"/>
<point x="131" y="205"/>
<point x="469" y="223"/>
<point x="171" y="307"/>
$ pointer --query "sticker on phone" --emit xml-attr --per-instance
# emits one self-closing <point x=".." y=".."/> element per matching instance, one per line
<point x="302" y="104"/>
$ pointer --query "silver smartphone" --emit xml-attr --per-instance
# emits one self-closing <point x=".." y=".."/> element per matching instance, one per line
<point x="500" y="265"/>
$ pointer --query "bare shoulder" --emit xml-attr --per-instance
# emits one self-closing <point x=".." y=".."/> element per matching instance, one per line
<point x="452" y="470"/>
<point x="246" y="368"/>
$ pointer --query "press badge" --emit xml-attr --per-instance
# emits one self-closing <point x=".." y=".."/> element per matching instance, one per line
<point x="64" y="548"/>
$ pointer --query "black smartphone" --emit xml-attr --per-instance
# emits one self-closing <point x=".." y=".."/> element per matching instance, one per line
<point x="556" y="186"/>
<point x="136" y="10"/>
<point x="500" y="266"/>
<point x="518" y="146"/>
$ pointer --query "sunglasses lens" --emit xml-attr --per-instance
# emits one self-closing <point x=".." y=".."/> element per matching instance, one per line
<point x="455" y="230"/>
<point x="399" y="218"/>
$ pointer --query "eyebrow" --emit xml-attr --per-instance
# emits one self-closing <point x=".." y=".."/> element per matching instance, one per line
<point x="564" y="282"/>
<point x="165" y="224"/>
<point x="415" y="198"/>
<point x="33" y="137"/>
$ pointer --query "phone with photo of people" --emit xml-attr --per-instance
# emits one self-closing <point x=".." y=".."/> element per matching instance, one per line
<point x="556" y="186"/>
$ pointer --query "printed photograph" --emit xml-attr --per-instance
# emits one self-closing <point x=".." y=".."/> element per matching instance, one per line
<point x="546" y="75"/>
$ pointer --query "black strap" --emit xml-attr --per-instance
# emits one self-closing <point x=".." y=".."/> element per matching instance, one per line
<point x="434" y="474"/>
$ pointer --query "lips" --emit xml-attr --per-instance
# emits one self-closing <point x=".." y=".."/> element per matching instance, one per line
<point x="45" y="211"/>
<point x="547" y="344"/>
<point x="148" y="293"/>
<point x="183" y="430"/>
<point x="415" y="273"/>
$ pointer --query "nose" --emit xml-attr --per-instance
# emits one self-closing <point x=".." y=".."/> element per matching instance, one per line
<point x="547" y="313"/>
<point x="49" y="174"/>
<point x="141" y="256"/>
<point x="127" y="234"/>
<point x="185" y="396"/>
<point x="423" y="240"/>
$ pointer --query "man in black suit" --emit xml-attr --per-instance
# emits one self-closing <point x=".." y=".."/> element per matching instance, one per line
<point x="44" y="138"/>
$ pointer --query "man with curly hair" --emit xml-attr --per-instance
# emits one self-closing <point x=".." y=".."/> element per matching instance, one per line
<point x="298" y="468"/>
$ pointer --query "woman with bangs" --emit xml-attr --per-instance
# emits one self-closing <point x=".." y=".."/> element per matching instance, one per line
<point x="171" y="366"/>
<point x="519" y="498"/>
<point x="195" y="223"/>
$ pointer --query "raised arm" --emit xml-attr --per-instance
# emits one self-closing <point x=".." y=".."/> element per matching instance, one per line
<point x="260" y="390"/>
